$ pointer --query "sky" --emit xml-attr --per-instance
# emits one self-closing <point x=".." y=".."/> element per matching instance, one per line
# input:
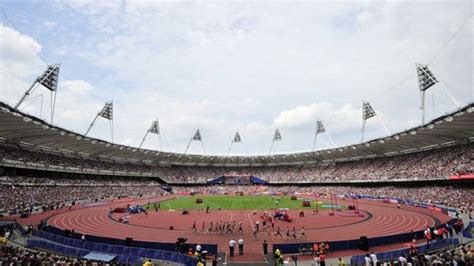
<point x="246" y="66"/>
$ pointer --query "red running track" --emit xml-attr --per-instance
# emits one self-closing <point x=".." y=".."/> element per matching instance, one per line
<point x="380" y="219"/>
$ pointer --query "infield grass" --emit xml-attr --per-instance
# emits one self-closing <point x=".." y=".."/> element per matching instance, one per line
<point x="231" y="202"/>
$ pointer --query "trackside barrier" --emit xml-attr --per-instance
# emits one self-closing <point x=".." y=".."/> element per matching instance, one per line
<point x="467" y="232"/>
<point x="124" y="253"/>
<point x="20" y="228"/>
<point x="335" y="246"/>
<point x="69" y="251"/>
<point x="351" y="244"/>
<point x="74" y="252"/>
<point x="394" y="255"/>
<point x="354" y="243"/>
<point x="211" y="248"/>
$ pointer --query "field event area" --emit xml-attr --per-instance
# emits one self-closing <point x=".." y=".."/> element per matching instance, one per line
<point x="244" y="202"/>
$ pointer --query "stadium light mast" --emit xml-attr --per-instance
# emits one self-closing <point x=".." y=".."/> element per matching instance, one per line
<point x="367" y="112"/>
<point x="319" y="130"/>
<point x="49" y="80"/>
<point x="106" y="112"/>
<point x="236" y="139"/>
<point x="276" y="137"/>
<point x="196" y="137"/>
<point x="426" y="80"/>
<point x="154" y="129"/>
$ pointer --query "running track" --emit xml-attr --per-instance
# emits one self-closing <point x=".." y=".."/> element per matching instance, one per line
<point x="380" y="219"/>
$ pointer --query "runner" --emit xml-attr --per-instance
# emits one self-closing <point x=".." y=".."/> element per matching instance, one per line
<point x="278" y="233"/>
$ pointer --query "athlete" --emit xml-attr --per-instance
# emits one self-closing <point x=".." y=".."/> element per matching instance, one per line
<point x="278" y="233"/>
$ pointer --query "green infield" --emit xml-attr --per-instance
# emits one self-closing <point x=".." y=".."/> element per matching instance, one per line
<point x="231" y="202"/>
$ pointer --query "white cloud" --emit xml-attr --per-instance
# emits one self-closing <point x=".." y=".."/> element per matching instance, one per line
<point x="19" y="63"/>
<point x="77" y="86"/>
<point x="254" y="67"/>
<point x="304" y="115"/>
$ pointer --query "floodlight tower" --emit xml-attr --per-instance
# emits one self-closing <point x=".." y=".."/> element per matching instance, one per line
<point x="319" y="130"/>
<point x="196" y="137"/>
<point x="236" y="139"/>
<point x="106" y="112"/>
<point x="426" y="80"/>
<point x="367" y="112"/>
<point x="49" y="79"/>
<point x="154" y="129"/>
<point x="276" y="137"/>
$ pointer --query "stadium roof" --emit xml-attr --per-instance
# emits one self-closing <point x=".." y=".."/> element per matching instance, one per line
<point x="23" y="129"/>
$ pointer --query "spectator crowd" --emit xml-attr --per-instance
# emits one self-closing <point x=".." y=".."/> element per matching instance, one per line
<point x="29" y="193"/>
<point x="458" y="255"/>
<point x="438" y="163"/>
<point x="22" y="194"/>
<point x="24" y="256"/>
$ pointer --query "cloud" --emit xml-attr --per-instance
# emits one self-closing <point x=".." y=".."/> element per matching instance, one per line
<point x="19" y="63"/>
<point x="77" y="86"/>
<point x="301" y="116"/>
<point x="248" y="66"/>
<point x="345" y="122"/>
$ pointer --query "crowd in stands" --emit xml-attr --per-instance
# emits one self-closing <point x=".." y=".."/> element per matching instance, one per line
<point x="459" y="255"/>
<point x="85" y="181"/>
<point x="422" y="165"/>
<point x="457" y="197"/>
<point x="52" y="192"/>
<point x="29" y="194"/>
<point x="38" y="157"/>
<point x="27" y="199"/>
<point x="438" y="163"/>
<point x="24" y="256"/>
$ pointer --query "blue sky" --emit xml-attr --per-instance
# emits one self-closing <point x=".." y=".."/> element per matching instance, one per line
<point x="56" y="26"/>
<point x="237" y="65"/>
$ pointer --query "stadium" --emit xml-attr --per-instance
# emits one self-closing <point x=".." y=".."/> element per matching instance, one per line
<point x="71" y="198"/>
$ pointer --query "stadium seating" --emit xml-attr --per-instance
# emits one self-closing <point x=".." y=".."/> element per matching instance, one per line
<point x="74" y="247"/>
<point x="438" y="163"/>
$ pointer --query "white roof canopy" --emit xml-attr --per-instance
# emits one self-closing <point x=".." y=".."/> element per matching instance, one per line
<point x="20" y="128"/>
